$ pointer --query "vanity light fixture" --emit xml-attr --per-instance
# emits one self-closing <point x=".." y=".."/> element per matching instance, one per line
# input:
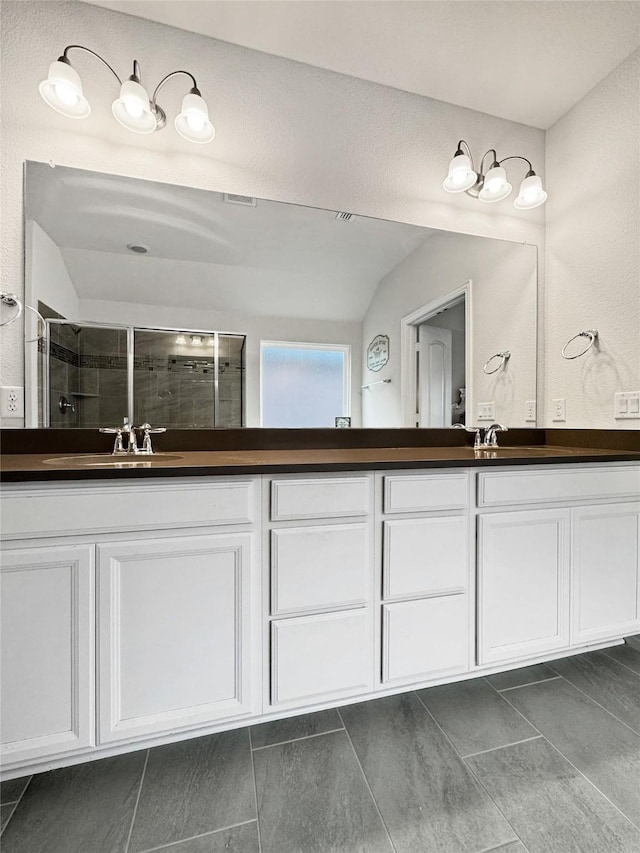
<point x="133" y="109"/>
<point x="196" y="340"/>
<point x="493" y="185"/>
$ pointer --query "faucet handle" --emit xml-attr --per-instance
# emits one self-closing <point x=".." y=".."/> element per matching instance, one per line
<point x="110" y="430"/>
<point x="147" y="433"/>
<point x="490" y="437"/>
<point x="118" y="446"/>
<point x="147" y="428"/>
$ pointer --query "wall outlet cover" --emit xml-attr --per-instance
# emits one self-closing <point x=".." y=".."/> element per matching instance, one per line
<point x="530" y="411"/>
<point x="11" y="401"/>
<point x="559" y="409"/>
<point x="626" y="405"/>
<point x="487" y="411"/>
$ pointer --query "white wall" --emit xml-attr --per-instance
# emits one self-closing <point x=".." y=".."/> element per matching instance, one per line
<point x="255" y="328"/>
<point x="285" y="131"/>
<point x="593" y="249"/>
<point x="503" y="279"/>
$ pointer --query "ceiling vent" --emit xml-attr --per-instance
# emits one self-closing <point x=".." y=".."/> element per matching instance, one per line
<point x="344" y="217"/>
<point x="246" y="200"/>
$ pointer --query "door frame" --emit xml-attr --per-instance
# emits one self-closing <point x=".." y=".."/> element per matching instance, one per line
<point x="408" y="339"/>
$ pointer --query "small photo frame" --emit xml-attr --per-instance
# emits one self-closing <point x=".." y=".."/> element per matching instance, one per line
<point x="343" y="421"/>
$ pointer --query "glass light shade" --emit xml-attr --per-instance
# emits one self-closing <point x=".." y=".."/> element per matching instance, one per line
<point x="531" y="193"/>
<point x="495" y="186"/>
<point x="133" y="110"/>
<point x="193" y="123"/>
<point x="62" y="90"/>
<point x="461" y="176"/>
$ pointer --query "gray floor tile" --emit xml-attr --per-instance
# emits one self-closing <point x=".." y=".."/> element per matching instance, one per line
<point x="626" y="655"/>
<point x="602" y="748"/>
<point x="551" y="806"/>
<point x="279" y="731"/>
<point x="517" y="677"/>
<point x="606" y="681"/>
<point x="633" y="641"/>
<point x="312" y="797"/>
<point x="88" y="807"/>
<point x="428" y="799"/>
<point x="192" y="787"/>
<point x="238" y="839"/>
<point x="6" y="810"/>
<point x="13" y="789"/>
<point x="474" y="716"/>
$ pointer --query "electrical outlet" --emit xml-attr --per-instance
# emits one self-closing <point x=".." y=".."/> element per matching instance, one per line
<point x="530" y="411"/>
<point x="487" y="411"/>
<point x="559" y="409"/>
<point x="11" y="401"/>
<point x="626" y="404"/>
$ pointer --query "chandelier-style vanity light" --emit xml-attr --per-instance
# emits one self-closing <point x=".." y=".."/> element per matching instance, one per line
<point x="492" y="186"/>
<point x="134" y="109"/>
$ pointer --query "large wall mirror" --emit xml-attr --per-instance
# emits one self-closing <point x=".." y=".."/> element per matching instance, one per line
<point x="189" y="308"/>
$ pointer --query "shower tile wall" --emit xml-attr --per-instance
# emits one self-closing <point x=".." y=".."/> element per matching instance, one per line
<point x="174" y="382"/>
<point x="63" y="374"/>
<point x="102" y="377"/>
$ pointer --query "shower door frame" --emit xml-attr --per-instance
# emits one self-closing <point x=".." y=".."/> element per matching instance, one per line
<point x="130" y="330"/>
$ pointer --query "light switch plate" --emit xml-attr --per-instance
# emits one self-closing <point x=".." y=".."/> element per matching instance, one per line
<point x="559" y="409"/>
<point x="487" y="411"/>
<point x="11" y="401"/>
<point x="626" y="404"/>
<point x="530" y="411"/>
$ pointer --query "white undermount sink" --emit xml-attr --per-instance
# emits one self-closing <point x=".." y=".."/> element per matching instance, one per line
<point x="112" y="460"/>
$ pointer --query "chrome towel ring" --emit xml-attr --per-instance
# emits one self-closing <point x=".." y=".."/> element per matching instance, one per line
<point x="592" y="334"/>
<point x="504" y="356"/>
<point x="13" y="301"/>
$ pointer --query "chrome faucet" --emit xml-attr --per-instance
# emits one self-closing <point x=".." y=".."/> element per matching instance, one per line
<point x="490" y="437"/>
<point x="132" y="438"/>
<point x="485" y="438"/>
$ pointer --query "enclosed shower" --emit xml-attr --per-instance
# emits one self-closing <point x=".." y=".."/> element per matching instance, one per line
<point x="93" y="375"/>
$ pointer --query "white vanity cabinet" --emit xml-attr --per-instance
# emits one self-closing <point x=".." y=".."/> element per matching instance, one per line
<point x="175" y="612"/>
<point x="321" y="569"/>
<point x="47" y="651"/>
<point x="563" y="572"/>
<point x="426" y="612"/>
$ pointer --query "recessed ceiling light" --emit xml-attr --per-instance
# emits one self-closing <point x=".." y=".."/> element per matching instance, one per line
<point x="138" y="248"/>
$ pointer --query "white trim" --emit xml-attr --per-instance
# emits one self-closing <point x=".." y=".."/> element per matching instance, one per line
<point x="408" y="325"/>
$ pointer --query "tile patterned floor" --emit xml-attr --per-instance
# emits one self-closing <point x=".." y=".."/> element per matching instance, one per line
<point x="544" y="759"/>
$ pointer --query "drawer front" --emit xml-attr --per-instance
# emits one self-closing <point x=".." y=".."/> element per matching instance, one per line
<point x="315" y="568"/>
<point x="321" y="657"/>
<point x="331" y="497"/>
<point x="425" y="556"/>
<point x="425" y="639"/>
<point x="123" y="507"/>
<point x="531" y="487"/>
<point x="424" y="492"/>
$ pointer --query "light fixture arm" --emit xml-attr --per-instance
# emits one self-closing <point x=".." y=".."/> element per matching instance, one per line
<point x="517" y="157"/>
<point x="65" y="59"/>
<point x="495" y="161"/>
<point x="194" y="90"/>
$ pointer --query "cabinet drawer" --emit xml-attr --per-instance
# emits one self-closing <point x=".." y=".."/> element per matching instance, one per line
<point x="330" y="497"/>
<point x="119" y="507"/>
<point x="425" y="639"/>
<point x="321" y="657"/>
<point x="532" y="487"/>
<point x="315" y="568"/>
<point x="425" y="556"/>
<point x="424" y="492"/>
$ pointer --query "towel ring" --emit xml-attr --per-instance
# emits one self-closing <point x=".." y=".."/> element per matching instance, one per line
<point x="505" y="356"/>
<point x="11" y="300"/>
<point x="592" y="334"/>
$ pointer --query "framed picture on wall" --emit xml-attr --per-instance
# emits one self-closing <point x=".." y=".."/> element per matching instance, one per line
<point x="378" y="353"/>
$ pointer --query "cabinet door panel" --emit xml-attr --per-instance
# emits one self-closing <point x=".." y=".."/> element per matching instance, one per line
<point x="321" y="657"/>
<point x="47" y="652"/>
<point x="606" y="555"/>
<point x="425" y="556"/>
<point x="314" y="568"/>
<point x="523" y="584"/>
<point x="425" y="639"/>
<point x="174" y="633"/>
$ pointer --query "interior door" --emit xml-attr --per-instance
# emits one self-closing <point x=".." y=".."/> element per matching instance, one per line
<point x="434" y="376"/>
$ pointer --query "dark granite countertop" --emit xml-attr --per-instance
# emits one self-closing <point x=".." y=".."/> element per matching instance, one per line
<point x="33" y="467"/>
